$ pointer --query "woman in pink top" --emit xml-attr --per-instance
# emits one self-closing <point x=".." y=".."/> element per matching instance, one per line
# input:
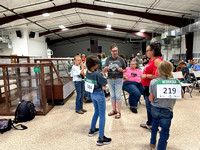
<point x="150" y="72"/>
<point x="132" y="84"/>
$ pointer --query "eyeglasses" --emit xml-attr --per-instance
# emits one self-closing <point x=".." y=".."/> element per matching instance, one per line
<point x="115" y="51"/>
<point x="133" y="64"/>
<point x="148" y="50"/>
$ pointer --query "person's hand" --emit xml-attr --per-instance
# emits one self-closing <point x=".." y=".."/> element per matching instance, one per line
<point x="82" y="64"/>
<point x="120" y="69"/>
<point x="143" y="76"/>
<point x="103" y="87"/>
<point x="106" y="69"/>
<point x="125" y="77"/>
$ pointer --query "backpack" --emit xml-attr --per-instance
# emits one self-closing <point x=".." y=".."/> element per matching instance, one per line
<point x="25" y="111"/>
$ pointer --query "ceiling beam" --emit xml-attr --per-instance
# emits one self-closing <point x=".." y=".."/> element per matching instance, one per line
<point x="170" y="20"/>
<point x="89" y="35"/>
<point x="145" y="34"/>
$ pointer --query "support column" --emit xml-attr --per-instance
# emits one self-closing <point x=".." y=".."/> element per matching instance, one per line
<point x="189" y="45"/>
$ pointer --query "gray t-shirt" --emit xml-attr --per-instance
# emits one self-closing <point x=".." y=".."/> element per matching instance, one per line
<point x="157" y="102"/>
<point x="137" y="60"/>
<point x="114" y="64"/>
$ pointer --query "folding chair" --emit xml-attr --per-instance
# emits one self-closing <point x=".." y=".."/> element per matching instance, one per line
<point x="197" y="79"/>
<point x="125" y="98"/>
<point x="124" y="94"/>
<point x="179" y="75"/>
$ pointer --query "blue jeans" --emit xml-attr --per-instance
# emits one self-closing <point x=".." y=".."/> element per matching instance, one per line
<point x="87" y="94"/>
<point x="161" y="117"/>
<point x="99" y="102"/>
<point x="148" y="107"/>
<point x="115" y="87"/>
<point x="135" y="91"/>
<point x="79" y="86"/>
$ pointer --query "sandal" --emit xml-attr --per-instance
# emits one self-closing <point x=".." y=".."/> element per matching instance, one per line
<point x="146" y="126"/>
<point x="118" y="115"/>
<point x="113" y="112"/>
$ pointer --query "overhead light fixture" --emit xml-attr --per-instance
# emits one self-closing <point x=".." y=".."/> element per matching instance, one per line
<point x="108" y="26"/>
<point x="62" y="26"/>
<point x="142" y="30"/>
<point x="45" y="14"/>
<point x="65" y="29"/>
<point x="110" y="13"/>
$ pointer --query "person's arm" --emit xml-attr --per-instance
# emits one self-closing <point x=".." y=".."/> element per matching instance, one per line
<point x="101" y="79"/>
<point x="106" y="68"/>
<point x="82" y="69"/>
<point x="151" y="97"/>
<point x="151" y="76"/>
<point x="125" y="77"/>
<point x="151" y="87"/>
<point x="194" y="69"/>
<point x="123" y="69"/>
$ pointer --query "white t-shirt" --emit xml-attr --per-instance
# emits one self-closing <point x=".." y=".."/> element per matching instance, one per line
<point x="75" y="73"/>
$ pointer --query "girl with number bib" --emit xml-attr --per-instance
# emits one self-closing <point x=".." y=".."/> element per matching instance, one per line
<point x="162" y="108"/>
<point x="95" y="83"/>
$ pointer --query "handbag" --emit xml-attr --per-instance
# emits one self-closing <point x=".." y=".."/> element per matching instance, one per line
<point x="7" y="124"/>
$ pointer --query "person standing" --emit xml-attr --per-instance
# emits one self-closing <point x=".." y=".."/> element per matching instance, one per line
<point x="78" y="75"/>
<point x="95" y="84"/>
<point x="162" y="108"/>
<point x="103" y="60"/>
<point x="115" y="66"/>
<point x="130" y="59"/>
<point x="99" y="62"/>
<point x="153" y="52"/>
<point x="83" y="58"/>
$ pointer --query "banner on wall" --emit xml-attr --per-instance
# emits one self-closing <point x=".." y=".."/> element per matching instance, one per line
<point x="100" y="49"/>
<point x="94" y="46"/>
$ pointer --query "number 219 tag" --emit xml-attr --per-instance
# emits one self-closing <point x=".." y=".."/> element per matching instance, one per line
<point x="170" y="89"/>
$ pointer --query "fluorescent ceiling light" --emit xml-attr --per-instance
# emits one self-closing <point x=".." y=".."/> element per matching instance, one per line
<point x="142" y="30"/>
<point x="110" y="13"/>
<point x="65" y="29"/>
<point x="108" y="25"/>
<point x="45" y="14"/>
<point x="62" y="26"/>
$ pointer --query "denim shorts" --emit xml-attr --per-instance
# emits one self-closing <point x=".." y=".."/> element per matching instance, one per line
<point x="115" y="87"/>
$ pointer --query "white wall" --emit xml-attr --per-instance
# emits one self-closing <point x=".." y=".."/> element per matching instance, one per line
<point x="82" y="46"/>
<point x="168" y="54"/>
<point x="19" y="44"/>
<point x="26" y="46"/>
<point x="196" y="43"/>
<point x="37" y="46"/>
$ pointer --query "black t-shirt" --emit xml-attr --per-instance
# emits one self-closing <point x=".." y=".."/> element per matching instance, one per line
<point x="114" y="64"/>
<point x="131" y="58"/>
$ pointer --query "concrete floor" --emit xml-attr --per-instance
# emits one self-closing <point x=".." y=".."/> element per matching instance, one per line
<point x="63" y="129"/>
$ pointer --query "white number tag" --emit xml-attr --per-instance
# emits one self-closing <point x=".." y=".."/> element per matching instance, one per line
<point x="89" y="85"/>
<point x="170" y="89"/>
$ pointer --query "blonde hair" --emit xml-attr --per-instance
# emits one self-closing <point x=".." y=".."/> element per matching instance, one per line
<point x="165" y="68"/>
<point x="77" y="56"/>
